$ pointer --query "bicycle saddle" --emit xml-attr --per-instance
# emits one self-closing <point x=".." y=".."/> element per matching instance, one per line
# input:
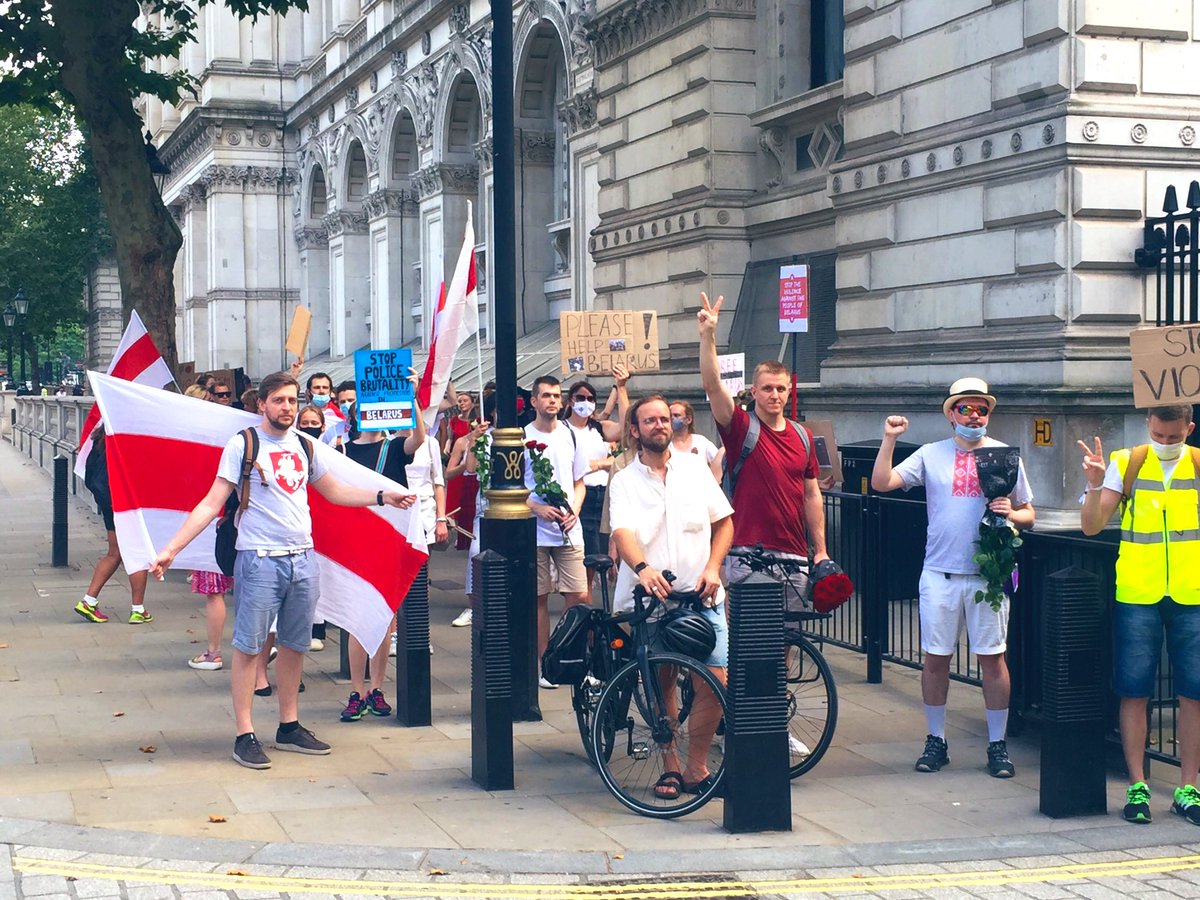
<point x="601" y="562"/>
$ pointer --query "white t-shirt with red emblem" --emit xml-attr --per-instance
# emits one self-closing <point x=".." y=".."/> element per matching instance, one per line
<point x="955" y="502"/>
<point x="277" y="517"/>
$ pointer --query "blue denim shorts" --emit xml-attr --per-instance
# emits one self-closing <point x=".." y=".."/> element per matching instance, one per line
<point x="1137" y="646"/>
<point x="267" y="587"/>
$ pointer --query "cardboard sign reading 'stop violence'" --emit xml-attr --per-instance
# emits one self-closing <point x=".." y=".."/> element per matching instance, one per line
<point x="1166" y="365"/>
<point x="593" y="342"/>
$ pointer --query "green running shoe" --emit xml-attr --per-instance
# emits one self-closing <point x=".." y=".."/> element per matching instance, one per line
<point x="140" y="618"/>
<point x="1187" y="803"/>
<point x="1137" y="803"/>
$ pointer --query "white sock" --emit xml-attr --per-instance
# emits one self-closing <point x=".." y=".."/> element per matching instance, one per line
<point x="997" y="720"/>
<point x="138" y="608"/>
<point x="90" y="600"/>
<point x="936" y="717"/>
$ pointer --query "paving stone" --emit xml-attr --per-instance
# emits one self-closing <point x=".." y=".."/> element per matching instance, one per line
<point x="149" y="892"/>
<point x="37" y="885"/>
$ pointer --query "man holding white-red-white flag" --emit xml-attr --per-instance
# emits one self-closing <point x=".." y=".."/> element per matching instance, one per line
<point x="286" y="556"/>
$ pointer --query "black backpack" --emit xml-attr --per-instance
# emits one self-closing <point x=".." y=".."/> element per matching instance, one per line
<point x="227" y="530"/>
<point x="565" y="660"/>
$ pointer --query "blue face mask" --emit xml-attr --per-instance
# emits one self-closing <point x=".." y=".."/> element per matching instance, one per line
<point x="345" y="408"/>
<point x="320" y="399"/>
<point x="967" y="433"/>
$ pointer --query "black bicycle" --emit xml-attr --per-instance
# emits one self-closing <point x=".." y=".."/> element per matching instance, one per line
<point x="812" y="695"/>
<point x="648" y="717"/>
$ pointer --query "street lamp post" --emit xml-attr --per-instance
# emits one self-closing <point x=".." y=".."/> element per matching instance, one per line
<point x="22" y="304"/>
<point x="508" y="526"/>
<point x="10" y="321"/>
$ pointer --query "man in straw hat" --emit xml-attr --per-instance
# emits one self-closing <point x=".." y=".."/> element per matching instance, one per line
<point x="950" y="577"/>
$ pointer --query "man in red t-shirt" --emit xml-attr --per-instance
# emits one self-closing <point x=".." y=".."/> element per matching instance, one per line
<point x="776" y="501"/>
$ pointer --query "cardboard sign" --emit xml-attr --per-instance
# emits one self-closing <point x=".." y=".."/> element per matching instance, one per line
<point x="733" y="372"/>
<point x="185" y="374"/>
<point x="825" y="449"/>
<point x="1166" y="365"/>
<point x="593" y="342"/>
<point x="297" y="339"/>
<point x="793" y="299"/>
<point x="385" y="395"/>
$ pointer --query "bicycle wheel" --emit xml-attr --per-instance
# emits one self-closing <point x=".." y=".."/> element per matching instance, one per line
<point x="812" y="703"/>
<point x="585" y="697"/>
<point x="642" y="730"/>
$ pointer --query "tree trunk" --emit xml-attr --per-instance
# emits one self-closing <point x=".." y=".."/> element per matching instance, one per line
<point x="146" y="239"/>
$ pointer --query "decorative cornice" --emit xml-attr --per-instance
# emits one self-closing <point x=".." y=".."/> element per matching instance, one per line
<point x="345" y="221"/>
<point x="578" y="111"/>
<point x="623" y="28"/>
<point x="246" y="179"/>
<point x="441" y="178"/>
<point x="311" y="238"/>
<point x="537" y="146"/>
<point x="390" y="203"/>
<point x="771" y="143"/>
<point x="192" y="197"/>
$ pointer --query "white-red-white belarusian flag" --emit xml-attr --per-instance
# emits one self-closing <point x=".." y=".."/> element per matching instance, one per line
<point x="163" y="450"/>
<point x="136" y="359"/>
<point x="457" y="318"/>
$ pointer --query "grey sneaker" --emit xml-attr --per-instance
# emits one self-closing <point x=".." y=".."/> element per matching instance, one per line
<point x="935" y="755"/>
<point x="247" y="751"/>
<point x="300" y="740"/>
<point x="999" y="765"/>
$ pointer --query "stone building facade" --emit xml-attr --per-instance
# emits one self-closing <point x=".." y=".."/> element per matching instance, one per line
<point x="965" y="179"/>
<point x="331" y="157"/>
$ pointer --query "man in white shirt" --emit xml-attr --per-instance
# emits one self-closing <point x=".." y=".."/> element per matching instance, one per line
<point x="667" y="512"/>
<point x="950" y="577"/>
<point x="559" y="536"/>
<point x="275" y="576"/>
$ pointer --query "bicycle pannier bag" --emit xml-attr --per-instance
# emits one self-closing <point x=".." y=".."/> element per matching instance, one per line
<point x="565" y="659"/>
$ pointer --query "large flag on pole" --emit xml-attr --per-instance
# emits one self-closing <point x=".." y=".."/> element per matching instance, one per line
<point x="457" y="318"/>
<point x="163" y="450"/>
<point x="137" y="360"/>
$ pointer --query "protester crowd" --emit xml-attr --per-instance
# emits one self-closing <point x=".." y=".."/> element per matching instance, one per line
<point x="633" y="479"/>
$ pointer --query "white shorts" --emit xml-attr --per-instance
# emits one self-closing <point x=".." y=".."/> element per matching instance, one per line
<point x="948" y="599"/>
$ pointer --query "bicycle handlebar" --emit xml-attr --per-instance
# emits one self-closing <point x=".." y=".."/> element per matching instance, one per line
<point x="759" y="559"/>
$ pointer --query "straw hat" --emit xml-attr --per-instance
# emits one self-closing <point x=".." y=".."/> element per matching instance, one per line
<point x="967" y="387"/>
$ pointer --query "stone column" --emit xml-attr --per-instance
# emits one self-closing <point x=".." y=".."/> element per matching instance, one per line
<point x="194" y="300"/>
<point x="444" y="190"/>
<point x="395" y="245"/>
<point x="349" y="276"/>
<point x="313" y="243"/>
<point x="226" y="186"/>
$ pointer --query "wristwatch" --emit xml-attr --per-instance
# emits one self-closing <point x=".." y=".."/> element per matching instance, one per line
<point x="379" y="498"/>
<point x="637" y="570"/>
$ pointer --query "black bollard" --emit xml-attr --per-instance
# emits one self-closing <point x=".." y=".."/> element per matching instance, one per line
<point x="491" y="674"/>
<point x="58" y="535"/>
<point x="1073" y="691"/>
<point x="516" y="541"/>
<point x="757" y="787"/>
<point x="344" y="653"/>
<point x="413" y="685"/>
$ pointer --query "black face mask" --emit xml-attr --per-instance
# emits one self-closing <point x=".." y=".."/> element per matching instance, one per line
<point x="313" y="432"/>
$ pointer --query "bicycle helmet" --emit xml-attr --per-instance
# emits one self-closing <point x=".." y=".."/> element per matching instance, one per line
<point x="688" y="633"/>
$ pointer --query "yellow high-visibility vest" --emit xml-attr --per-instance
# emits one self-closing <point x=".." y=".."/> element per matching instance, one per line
<point x="1160" y="533"/>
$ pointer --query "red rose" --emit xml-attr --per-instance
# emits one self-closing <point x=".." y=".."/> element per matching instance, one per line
<point x="529" y="445"/>
<point x="541" y="448"/>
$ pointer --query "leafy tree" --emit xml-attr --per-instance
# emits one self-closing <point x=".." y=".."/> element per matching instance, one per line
<point x="51" y="226"/>
<point x="90" y="53"/>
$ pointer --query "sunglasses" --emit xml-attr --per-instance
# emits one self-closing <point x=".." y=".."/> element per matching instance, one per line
<point x="583" y="398"/>
<point x="966" y="409"/>
<point x="222" y="393"/>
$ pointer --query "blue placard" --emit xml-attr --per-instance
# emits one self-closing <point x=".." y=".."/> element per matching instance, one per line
<point x="385" y="395"/>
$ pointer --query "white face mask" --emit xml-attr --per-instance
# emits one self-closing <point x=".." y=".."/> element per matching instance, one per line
<point x="584" y="408"/>
<point x="1167" y="451"/>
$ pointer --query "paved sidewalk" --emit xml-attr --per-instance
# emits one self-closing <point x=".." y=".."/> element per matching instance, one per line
<point x="82" y="704"/>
